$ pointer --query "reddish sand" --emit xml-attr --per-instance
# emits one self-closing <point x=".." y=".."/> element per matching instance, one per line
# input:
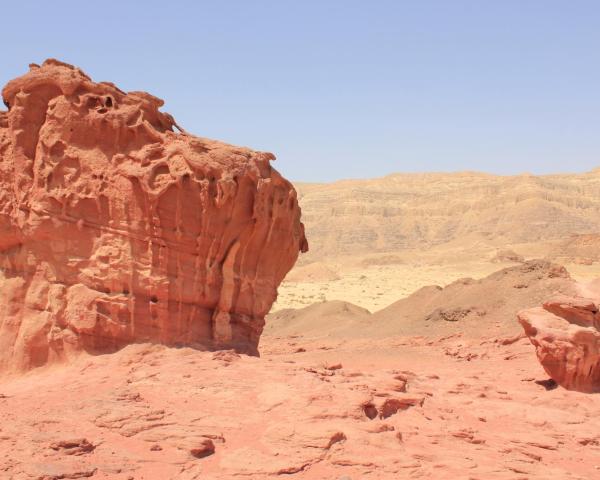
<point x="449" y="408"/>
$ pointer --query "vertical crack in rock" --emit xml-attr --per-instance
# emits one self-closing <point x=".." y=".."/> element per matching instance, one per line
<point x="116" y="229"/>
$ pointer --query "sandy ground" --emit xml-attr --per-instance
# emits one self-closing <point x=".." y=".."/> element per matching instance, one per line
<point x="473" y="406"/>
<point x="309" y="408"/>
<point x="376" y="287"/>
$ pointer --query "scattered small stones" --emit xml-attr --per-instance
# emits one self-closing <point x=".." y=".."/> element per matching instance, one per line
<point x="391" y="406"/>
<point x="369" y="410"/>
<point x="78" y="446"/>
<point x="70" y="474"/>
<point x="335" y="366"/>
<point x="204" y="449"/>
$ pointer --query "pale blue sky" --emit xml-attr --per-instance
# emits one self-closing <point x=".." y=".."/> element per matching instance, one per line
<point x="340" y="89"/>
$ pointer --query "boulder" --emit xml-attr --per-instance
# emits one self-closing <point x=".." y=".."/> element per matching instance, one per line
<point x="117" y="227"/>
<point x="566" y="336"/>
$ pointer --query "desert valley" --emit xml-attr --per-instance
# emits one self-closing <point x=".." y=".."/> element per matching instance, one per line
<point x="375" y="241"/>
<point x="435" y="325"/>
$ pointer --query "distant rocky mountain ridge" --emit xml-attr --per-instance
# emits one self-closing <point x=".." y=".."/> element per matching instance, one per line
<point x="412" y="211"/>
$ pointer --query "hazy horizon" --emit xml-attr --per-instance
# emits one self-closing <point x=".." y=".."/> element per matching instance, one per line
<point x="338" y="90"/>
<point x="448" y="172"/>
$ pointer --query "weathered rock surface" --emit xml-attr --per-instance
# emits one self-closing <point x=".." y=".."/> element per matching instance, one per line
<point x="116" y="229"/>
<point x="329" y="408"/>
<point x="566" y="335"/>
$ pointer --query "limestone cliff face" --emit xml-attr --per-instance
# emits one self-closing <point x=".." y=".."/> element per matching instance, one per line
<point x="116" y="229"/>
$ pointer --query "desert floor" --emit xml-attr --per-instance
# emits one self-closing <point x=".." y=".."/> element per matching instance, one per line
<point x="376" y="286"/>
<point x="310" y="408"/>
<point x="313" y="406"/>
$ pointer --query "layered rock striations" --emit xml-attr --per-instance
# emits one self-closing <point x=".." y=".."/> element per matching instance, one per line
<point x="419" y="211"/>
<point x="115" y="228"/>
<point x="566" y="335"/>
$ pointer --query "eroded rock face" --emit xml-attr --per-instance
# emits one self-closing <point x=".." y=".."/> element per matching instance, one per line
<point x="116" y="229"/>
<point x="566" y="335"/>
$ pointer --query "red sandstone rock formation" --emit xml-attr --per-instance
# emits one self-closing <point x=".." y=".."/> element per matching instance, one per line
<point x="116" y="229"/>
<point x="566" y="335"/>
